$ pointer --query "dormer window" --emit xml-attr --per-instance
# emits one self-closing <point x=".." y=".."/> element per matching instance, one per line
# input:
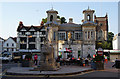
<point x="88" y="17"/>
<point x="51" y="18"/>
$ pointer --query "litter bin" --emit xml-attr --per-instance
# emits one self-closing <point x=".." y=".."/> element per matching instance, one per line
<point x="117" y="63"/>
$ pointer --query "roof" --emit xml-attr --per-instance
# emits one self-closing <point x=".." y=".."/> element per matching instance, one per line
<point x="52" y="11"/>
<point x="54" y="22"/>
<point x="1" y="38"/>
<point x="29" y="27"/>
<point x="15" y="39"/>
<point x="70" y="25"/>
<point x="89" y="23"/>
<point x="88" y="10"/>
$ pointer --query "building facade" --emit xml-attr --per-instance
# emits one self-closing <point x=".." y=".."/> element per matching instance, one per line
<point x="79" y="38"/>
<point x="115" y="42"/>
<point x="83" y="36"/>
<point x="10" y="45"/>
<point x="1" y="45"/>
<point x="30" y="38"/>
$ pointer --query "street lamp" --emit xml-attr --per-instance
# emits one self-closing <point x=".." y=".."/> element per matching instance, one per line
<point x="28" y="36"/>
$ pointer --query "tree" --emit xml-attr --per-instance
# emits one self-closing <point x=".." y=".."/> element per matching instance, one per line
<point x="58" y="17"/>
<point x="63" y="20"/>
<point x="104" y="44"/>
<point x="44" y="20"/>
<point x="110" y="36"/>
<point x="108" y="44"/>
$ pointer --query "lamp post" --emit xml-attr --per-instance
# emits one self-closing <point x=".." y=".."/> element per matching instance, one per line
<point x="28" y="36"/>
<point x="69" y="41"/>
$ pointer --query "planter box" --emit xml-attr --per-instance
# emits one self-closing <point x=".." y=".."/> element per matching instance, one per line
<point x="27" y="63"/>
<point x="99" y="65"/>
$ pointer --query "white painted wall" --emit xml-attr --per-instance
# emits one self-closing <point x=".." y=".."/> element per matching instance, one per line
<point x="87" y="51"/>
<point x="10" y="41"/>
<point x="116" y="43"/>
<point x="1" y="45"/>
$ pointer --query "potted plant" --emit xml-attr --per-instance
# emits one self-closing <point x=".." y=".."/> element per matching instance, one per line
<point x="27" y="62"/>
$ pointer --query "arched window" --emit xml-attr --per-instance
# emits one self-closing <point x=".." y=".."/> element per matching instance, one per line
<point x="88" y="17"/>
<point x="85" y="35"/>
<point x="88" y="35"/>
<point x="100" y="34"/>
<point x="51" y="18"/>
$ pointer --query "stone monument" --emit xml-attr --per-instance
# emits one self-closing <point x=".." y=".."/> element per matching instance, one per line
<point x="47" y="61"/>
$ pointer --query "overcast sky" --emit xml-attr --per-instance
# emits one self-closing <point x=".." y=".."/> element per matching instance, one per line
<point x="31" y="13"/>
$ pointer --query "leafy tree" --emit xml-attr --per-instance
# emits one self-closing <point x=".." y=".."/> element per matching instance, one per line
<point x="58" y="17"/>
<point x="63" y="20"/>
<point x="110" y="36"/>
<point x="104" y="45"/>
<point x="44" y="20"/>
<point x="107" y="44"/>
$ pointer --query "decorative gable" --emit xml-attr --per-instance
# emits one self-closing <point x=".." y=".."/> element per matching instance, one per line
<point x="32" y="29"/>
<point x="23" y="29"/>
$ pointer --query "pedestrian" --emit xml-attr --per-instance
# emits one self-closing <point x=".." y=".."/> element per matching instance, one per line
<point x="106" y="60"/>
<point x="35" y="59"/>
<point x="23" y="57"/>
<point x="114" y="63"/>
<point x="86" y="61"/>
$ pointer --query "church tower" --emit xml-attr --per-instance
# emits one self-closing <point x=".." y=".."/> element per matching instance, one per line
<point x="88" y="14"/>
<point x="89" y="33"/>
<point x="52" y="29"/>
<point x="52" y="15"/>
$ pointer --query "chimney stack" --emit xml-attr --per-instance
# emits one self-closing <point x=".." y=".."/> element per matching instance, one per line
<point x="70" y="20"/>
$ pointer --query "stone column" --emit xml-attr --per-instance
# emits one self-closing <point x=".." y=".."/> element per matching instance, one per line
<point x="18" y="43"/>
<point x="95" y="35"/>
<point x="90" y="35"/>
<point x="38" y="41"/>
<point x="27" y="42"/>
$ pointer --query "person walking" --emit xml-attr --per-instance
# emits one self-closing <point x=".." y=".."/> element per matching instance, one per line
<point x="114" y="65"/>
<point x="106" y="60"/>
<point x="35" y="59"/>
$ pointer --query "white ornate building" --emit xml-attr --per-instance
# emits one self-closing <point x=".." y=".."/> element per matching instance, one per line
<point x="83" y="36"/>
